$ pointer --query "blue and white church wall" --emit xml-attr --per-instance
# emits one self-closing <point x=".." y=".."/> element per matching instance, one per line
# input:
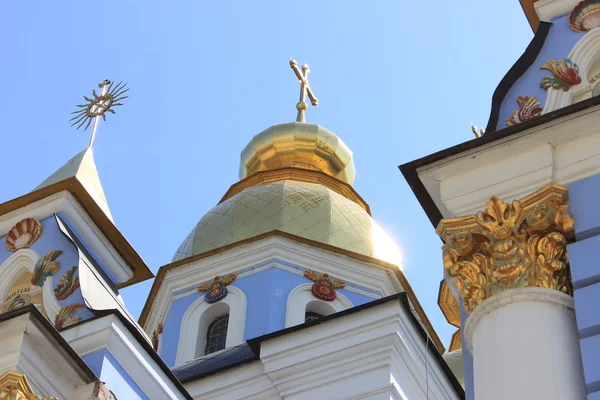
<point x="269" y="285"/>
<point x="585" y="272"/>
<point x="559" y="67"/>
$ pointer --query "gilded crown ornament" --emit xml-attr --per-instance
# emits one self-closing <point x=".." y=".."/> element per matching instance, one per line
<point x="522" y="244"/>
<point x="324" y="287"/>
<point x="216" y="289"/>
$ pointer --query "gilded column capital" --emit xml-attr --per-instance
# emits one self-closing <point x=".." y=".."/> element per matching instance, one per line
<point x="522" y="244"/>
<point x="14" y="386"/>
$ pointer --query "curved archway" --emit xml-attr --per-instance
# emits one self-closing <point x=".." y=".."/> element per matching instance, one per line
<point x="300" y="300"/>
<point x="198" y="317"/>
<point x="585" y="54"/>
<point x="23" y="262"/>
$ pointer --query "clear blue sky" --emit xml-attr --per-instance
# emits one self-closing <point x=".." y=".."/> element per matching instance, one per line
<point x="396" y="80"/>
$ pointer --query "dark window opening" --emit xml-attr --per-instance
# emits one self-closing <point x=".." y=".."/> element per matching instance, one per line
<point x="216" y="334"/>
<point x="312" y="316"/>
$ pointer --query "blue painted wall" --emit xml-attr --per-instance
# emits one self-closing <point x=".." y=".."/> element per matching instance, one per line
<point x="53" y="239"/>
<point x="266" y="294"/>
<point x="584" y="257"/>
<point x="106" y="367"/>
<point x="559" y="42"/>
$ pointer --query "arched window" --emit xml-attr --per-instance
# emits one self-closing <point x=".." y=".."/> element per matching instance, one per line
<point x="301" y="304"/>
<point x="311" y="316"/>
<point x="216" y="334"/>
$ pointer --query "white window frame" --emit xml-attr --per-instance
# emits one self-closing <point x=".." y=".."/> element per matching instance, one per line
<point x="301" y="300"/>
<point x="199" y="315"/>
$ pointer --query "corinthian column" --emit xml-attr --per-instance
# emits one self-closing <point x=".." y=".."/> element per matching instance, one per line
<point x="510" y="267"/>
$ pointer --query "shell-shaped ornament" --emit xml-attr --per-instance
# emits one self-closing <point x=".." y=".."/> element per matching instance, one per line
<point x="23" y="234"/>
<point x="585" y="16"/>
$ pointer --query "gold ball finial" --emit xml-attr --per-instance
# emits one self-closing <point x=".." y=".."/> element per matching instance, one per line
<point x="301" y="106"/>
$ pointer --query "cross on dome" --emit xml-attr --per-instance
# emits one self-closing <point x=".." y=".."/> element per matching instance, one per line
<point x="304" y="89"/>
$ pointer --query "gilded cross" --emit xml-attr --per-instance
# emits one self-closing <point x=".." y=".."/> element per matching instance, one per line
<point x="304" y="90"/>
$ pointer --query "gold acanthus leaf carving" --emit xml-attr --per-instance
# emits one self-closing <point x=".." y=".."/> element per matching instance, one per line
<point x="522" y="244"/>
<point x="14" y="386"/>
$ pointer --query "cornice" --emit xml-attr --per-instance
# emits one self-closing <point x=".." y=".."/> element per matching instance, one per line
<point x="299" y="175"/>
<point x="140" y="270"/>
<point x="389" y="268"/>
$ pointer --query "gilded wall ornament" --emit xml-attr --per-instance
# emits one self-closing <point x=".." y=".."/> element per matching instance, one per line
<point x="65" y="316"/>
<point x="67" y="284"/>
<point x="14" y="386"/>
<point x="585" y="16"/>
<point x="324" y="287"/>
<point x="215" y="289"/>
<point x="23" y="234"/>
<point x="522" y="244"/>
<point x="529" y="107"/>
<point x="45" y="267"/>
<point x="565" y="74"/>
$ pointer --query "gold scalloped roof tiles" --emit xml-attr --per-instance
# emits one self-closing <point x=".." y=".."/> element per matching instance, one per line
<point x="305" y="209"/>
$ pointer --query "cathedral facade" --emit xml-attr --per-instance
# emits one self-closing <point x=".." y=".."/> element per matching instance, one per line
<point x="288" y="289"/>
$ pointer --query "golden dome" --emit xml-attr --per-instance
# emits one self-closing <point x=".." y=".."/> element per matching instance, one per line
<point x="305" y="209"/>
<point x="300" y="145"/>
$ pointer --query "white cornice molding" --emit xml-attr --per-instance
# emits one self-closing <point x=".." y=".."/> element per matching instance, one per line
<point x="561" y="151"/>
<point x="109" y="333"/>
<point x="510" y="297"/>
<point x="66" y="202"/>
<point x="267" y="253"/>
<point x="548" y="9"/>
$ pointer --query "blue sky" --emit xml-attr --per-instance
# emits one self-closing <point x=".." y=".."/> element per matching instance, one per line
<point x="395" y="80"/>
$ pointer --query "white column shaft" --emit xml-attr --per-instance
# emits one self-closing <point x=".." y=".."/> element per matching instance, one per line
<point x="525" y="346"/>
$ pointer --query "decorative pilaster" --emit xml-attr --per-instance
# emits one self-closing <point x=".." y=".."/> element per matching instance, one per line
<point x="14" y="386"/>
<point x="516" y="245"/>
<point x="509" y="265"/>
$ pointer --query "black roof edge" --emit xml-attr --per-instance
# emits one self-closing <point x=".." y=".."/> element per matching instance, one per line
<point x="515" y="72"/>
<point x="221" y="369"/>
<point x="404" y="302"/>
<point x="60" y="344"/>
<point x="409" y="169"/>
<point x="144" y="343"/>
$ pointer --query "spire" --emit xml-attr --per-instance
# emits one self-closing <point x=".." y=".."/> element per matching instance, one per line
<point x="82" y="167"/>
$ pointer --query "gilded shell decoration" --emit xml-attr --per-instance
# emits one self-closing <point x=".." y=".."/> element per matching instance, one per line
<point x="45" y="267"/>
<point x="529" y="107"/>
<point x="324" y="287"/>
<point x="65" y="316"/>
<point x="23" y="234"/>
<point x="585" y="16"/>
<point x="565" y="74"/>
<point x="67" y="284"/>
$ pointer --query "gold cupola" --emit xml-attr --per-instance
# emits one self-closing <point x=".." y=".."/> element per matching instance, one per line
<point x="295" y="178"/>
<point x="298" y="145"/>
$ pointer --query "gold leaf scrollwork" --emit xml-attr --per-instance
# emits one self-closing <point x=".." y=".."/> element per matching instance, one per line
<point x="522" y="244"/>
<point x="14" y="386"/>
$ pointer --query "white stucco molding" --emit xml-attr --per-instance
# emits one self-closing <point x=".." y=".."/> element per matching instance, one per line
<point x="560" y="151"/>
<point x="585" y="54"/>
<point x="551" y="297"/>
<point x="270" y="252"/>
<point x="16" y="265"/>
<point x="65" y="202"/>
<point x="548" y="9"/>
<point x="200" y="314"/>
<point x="23" y="261"/>
<point x="300" y="300"/>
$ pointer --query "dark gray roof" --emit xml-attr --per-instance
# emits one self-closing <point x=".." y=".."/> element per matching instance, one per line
<point x="213" y="363"/>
